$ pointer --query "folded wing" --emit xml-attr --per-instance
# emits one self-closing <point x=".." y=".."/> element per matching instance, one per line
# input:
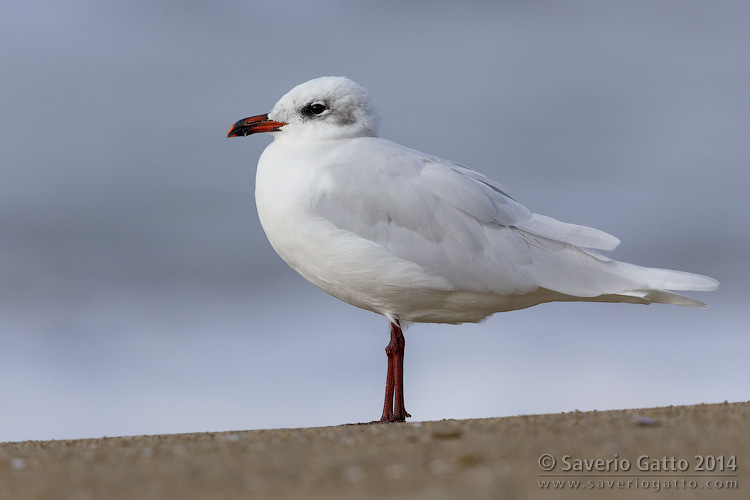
<point x="458" y="224"/>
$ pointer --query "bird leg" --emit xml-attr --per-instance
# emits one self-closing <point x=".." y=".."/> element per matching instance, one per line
<point x="393" y="407"/>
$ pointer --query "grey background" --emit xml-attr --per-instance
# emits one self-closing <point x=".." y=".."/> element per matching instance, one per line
<point x="138" y="293"/>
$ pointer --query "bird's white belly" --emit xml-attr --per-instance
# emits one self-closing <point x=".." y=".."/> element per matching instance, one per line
<point x="344" y="264"/>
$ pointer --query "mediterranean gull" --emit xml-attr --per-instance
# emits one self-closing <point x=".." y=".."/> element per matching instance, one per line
<point x="417" y="238"/>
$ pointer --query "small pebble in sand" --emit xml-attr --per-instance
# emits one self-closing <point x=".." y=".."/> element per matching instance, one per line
<point x="17" y="463"/>
<point x="646" y="421"/>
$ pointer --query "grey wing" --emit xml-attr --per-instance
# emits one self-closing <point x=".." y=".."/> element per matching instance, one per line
<point x="450" y="220"/>
<point x="541" y="225"/>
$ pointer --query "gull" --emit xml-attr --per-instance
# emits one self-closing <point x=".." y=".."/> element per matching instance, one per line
<point x="417" y="238"/>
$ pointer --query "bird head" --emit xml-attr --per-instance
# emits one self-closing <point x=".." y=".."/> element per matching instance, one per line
<point x="326" y="108"/>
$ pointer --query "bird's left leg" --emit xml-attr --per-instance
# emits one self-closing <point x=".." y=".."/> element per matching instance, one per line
<point x="394" y="409"/>
<point x="399" y="409"/>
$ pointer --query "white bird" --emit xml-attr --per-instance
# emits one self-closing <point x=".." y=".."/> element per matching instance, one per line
<point x="417" y="238"/>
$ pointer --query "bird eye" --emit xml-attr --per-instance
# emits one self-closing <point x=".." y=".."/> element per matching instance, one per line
<point x="316" y="108"/>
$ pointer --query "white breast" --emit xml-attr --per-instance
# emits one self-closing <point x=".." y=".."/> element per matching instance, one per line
<point x="290" y="180"/>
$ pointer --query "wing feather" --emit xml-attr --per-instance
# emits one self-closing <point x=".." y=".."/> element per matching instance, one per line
<point x="462" y="226"/>
<point x="451" y="221"/>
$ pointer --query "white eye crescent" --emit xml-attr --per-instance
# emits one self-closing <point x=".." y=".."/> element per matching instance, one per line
<point x="315" y="108"/>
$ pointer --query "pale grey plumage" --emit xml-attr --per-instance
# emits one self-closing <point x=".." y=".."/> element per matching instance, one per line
<point x="418" y="238"/>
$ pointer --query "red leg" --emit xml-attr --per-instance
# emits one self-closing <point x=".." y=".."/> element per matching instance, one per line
<point x="393" y="407"/>
<point x="389" y="385"/>
<point x="399" y="409"/>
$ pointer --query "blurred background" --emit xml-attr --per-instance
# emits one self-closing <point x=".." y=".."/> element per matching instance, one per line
<point x="138" y="293"/>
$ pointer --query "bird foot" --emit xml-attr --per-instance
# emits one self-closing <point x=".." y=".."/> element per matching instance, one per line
<point x="390" y="420"/>
<point x="396" y="416"/>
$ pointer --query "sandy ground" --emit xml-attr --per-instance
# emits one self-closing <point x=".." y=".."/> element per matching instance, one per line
<point x="483" y="458"/>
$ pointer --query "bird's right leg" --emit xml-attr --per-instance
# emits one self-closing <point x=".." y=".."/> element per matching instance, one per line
<point x="390" y="380"/>
<point x="393" y="407"/>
